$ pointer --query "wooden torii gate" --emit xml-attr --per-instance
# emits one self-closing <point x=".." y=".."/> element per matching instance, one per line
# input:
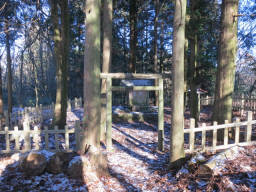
<point x="109" y="88"/>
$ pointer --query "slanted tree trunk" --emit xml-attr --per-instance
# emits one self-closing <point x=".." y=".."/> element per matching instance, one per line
<point x="92" y="108"/>
<point x="106" y="55"/>
<point x="177" y="133"/>
<point x="226" y="62"/>
<point x="9" y="68"/>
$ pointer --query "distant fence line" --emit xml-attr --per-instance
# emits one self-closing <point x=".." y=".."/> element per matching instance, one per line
<point x="243" y="132"/>
<point x="240" y="102"/>
<point x="40" y="113"/>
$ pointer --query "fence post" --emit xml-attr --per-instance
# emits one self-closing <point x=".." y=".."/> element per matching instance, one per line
<point x="207" y="100"/>
<point x="249" y="127"/>
<point x="7" y="140"/>
<point x="27" y="145"/>
<point x="191" y="135"/>
<point x="203" y="137"/>
<point x="109" y="114"/>
<point x="41" y="113"/>
<point x="77" y="135"/>
<point x="16" y="137"/>
<point x="237" y="131"/>
<point x="56" y="138"/>
<point x="36" y="138"/>
<point x="69" y="106"/>
<point x="6" y="118"/>
<point x="75" y="102"/>
<point x="46" y="137"/>
<point x="52" y="107"/>
<point x="160" y="115"/>
<point x="242" y="105"/>
<point x="226" y="134"/>
<point x="214" y="136"/>
<point x="66" y="137"/>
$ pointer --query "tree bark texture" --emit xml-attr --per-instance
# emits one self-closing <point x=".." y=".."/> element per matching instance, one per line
<point x="177" y="134"/>
<point x="92" y="106"/>
<point x="226" y="62"/>
<point x="61" y="50"/>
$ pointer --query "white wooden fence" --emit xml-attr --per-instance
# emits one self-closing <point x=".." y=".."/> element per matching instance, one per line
<point x="31" y="139"/>
<point x="201" y="143"/>
<point x="240" y="102"/>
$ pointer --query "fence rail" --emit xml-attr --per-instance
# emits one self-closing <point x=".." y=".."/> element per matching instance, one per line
<point x="235" y="127"/>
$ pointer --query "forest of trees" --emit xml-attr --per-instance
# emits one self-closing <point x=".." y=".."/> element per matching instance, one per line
<point x="52" y="50"/>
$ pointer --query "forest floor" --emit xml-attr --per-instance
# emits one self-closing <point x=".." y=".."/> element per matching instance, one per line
<point x="135" y="164"/>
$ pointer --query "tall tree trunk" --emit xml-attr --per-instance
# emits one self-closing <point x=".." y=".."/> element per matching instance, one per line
<point x="92" y="75"/>
<point x="106" y="55"/>
<point x="58" y="60"/>
<point x="92" y="108"/>
<point x="9" y="68"/>
<point x="133" y="36"/>
<point x="156" y="70"/>
<point x="61" y="49"/>
<point x="31" y="55"/>
<point x="226" y="62"/>
<point x="193" y="44"/>
<point x="177" y="133"/>
<point x="161" y="59"/>
<point x="156" y="2"/>
<point x="1" y="97"/>
<point x="21" y="79"/>
<point x="65" y="59"/>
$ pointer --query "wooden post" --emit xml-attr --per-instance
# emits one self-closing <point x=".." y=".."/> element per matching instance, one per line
<point x="226" y="134"/>
<point x="192" y="135"/>
<point x="207" y="100"/>
<point x="41" y="113"/>
<point x="66" y="138"/>
<point x="57" y="147"/>
<point x="7" y="140"/>
<point x="27" y="145"/>
<point x="46" y="137"/>
<point x="199" y="105"/>
<point x="75" y="102"/>
<point x="160" y="115"/>
<point x="16" y="137"/>
<point x="214" y="136"/>
<point x="36" y="138"/>
<point x="109" y="114"/>
<point x="203" y="137"/>
<point x="69" y="106"/>
<point x="242" y="106"/>
<point x="77" y="135"/>
<point x="103" y="116"/>
<point x="6" y="118"/>
<point x="237" y="131"/>
<point x="249" y="127"/>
